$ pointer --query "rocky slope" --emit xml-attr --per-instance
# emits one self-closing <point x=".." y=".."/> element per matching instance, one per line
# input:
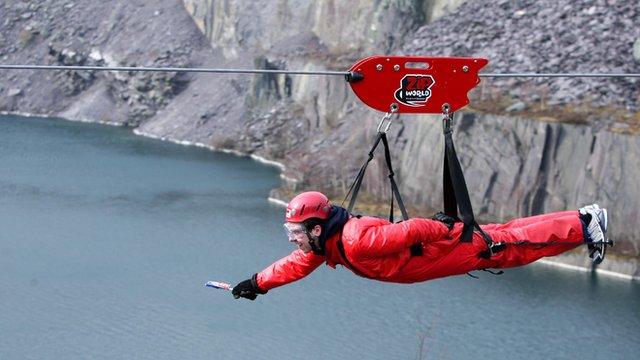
<point x="96" y="33"/>
<point x="524" y="163"/>
<point x="547" y="37"/>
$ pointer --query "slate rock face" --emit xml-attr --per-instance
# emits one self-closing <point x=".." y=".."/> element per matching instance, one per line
<point x="131" y="33"/>
<point x="516" y="165"/>
<point x="544" y="36"/>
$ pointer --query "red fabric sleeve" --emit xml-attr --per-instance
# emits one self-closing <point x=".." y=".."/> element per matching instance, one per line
<point x="290" y="268"/>
<point x="388" y="239"/>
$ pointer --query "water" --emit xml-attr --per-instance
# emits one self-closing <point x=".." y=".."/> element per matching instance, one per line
<point x="106" y="240"/>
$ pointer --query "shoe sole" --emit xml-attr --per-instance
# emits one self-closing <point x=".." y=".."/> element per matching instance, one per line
<point x="600" y="250"/>
<point x="606" y="220"/>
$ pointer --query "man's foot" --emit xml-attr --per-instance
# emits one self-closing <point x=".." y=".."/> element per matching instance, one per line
<point x="595" y="220"/>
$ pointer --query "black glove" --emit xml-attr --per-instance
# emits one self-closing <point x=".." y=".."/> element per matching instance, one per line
<point x="445" y="219"/>
<point x="247" y="289"/>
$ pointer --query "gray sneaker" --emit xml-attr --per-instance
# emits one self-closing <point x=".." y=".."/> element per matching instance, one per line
<point x="596" y="232"/>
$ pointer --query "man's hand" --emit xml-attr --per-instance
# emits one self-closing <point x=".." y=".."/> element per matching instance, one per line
<point x="247" y="289"/>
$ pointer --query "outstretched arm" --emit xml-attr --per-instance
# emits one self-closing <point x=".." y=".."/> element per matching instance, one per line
<point x="290" y="268"/>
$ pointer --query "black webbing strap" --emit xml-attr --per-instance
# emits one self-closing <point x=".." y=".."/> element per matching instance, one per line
<point x="355" y="186"/>
<point x="354" y="189"/>
<point x="454" y="187"/>
<point x="346" y="260"/>
<point x="394" y="186"/>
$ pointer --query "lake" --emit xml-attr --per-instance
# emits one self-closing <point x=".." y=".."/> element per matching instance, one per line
<point x="106" y="240"/>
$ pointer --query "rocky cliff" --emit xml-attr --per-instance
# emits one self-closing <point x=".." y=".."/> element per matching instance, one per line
<point x="526" y="147"/>
<point x="96" y="33"/>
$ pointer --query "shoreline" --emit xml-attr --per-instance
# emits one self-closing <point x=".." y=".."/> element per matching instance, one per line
<point x="31" y="115"/>
<point x="277" y="202"/>
<point x="608" y="273"/>
<point x="282" y="168"/>
<point x="257" y="158"/>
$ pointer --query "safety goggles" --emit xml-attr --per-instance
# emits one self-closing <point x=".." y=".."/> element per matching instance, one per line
<point x="292" y="230"/>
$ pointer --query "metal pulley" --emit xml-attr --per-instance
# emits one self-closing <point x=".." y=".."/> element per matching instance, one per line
<point x="415" y="84"/>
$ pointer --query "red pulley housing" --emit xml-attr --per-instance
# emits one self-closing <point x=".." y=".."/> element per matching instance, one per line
<point x="415" y="84"/>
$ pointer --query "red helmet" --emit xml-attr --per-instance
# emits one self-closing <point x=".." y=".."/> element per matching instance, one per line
<point x="307" y="205"/>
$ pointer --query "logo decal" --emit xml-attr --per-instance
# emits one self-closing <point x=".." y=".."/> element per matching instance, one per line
<point x="290" y="212"/>
<point x="415" y="89"/>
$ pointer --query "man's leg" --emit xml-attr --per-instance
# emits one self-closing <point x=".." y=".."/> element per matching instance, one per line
<point x="554" y="234"/>
<point x="530" y="239"/>
<point x="528" y="220"/>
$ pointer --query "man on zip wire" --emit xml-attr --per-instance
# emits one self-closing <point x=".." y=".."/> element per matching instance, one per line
<point x="418" y="249"/>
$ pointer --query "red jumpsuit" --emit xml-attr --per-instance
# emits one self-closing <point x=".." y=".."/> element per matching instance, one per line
<point x="380" y="250"/>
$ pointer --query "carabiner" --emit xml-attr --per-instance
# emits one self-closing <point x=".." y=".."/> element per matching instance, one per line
<point x="388" y="117"/>
<point x="447" y="119"/>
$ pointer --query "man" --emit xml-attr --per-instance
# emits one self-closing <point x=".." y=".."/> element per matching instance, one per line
<point x="417" y="249"/>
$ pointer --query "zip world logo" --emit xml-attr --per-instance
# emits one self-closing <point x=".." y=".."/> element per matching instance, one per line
<point x="415" y="89"/>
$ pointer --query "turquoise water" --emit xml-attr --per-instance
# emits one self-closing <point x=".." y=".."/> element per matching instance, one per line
<point x="106" y="240"/>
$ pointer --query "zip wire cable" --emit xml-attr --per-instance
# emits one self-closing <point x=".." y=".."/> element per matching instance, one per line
<point x="560" y="75"/>
<point x="297" y="72"/>
<point x="171" y="69"/>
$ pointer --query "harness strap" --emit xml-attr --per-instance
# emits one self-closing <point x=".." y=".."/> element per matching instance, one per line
<point x="346" y="260"/>
<point x="354" y="189"/>
<point x="355" y="186"/>
<point x="454" y="187"/>
<point x="394" y="186"/>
